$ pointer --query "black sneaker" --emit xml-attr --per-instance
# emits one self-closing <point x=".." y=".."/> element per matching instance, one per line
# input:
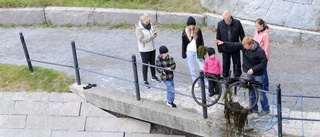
<point x="155" y="79"/>
<point x="172" y="105"/>
<point x="146" y="84"/>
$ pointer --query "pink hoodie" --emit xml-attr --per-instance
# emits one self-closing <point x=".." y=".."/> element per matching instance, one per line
<point x="263" y="38"/>
<point x="212" y="66"/>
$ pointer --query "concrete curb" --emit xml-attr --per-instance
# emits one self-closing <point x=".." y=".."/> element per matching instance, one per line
<point x="80" y="16"/>
<point x="148" y="111"/>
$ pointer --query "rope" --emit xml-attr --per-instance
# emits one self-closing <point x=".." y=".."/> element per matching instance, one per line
<point x="51" y="63"/>
<point x="101" y="54"/>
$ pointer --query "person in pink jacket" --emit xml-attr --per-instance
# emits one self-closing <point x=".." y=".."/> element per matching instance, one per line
<point x="212" y="66"/>
<point x="261" y="35"/>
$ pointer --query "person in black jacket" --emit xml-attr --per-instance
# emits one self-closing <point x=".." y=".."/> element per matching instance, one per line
<point x="231" y="30"/>
<point x="191" y="40"/>
<point x="254" y="62"/>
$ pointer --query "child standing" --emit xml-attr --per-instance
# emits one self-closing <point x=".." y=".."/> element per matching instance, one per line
<point x="166" y="75"/>
<point x="212" y="66"/>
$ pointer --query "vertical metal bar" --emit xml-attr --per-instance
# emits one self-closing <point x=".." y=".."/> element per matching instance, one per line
<point x="279" y="110"/>
<point x="203" y="95"/>
<point x="75" y="61"/>
<point x="135" y="74"/>
<point x="26" y="53"/>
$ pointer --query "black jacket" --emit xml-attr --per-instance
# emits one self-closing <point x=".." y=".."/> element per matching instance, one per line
<point x="186" y="41"/>
<point x="237" y="33"/>
<point x="254" y="58"/>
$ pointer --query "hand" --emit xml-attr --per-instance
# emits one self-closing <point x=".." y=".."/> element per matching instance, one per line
<point x="154" y="34"/>
<point x="164" y="73"/>
<point x="250" y="72"/>
<point x="218" y="42"/>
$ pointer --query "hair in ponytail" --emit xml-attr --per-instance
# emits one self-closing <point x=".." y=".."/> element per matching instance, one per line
<point x="262" y="22"/>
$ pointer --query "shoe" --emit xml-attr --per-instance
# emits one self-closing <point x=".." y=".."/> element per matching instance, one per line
<point x="172" y="105"/>
<point x="146" y="84"/>
<point x="156" y="79"/>
<point x="263" y="113"/>
<point x="211" y="95"/>
<point x="252" y="111"/>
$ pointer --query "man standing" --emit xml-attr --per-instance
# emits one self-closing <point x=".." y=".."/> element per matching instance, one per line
<point x="254" y="63"/>
<point x="230" y="30"/>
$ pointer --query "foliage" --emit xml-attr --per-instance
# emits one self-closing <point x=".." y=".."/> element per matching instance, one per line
<point x="18" y="78"/>
<point x="193" y="6"/>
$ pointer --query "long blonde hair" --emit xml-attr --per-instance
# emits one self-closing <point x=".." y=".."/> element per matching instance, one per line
<point x="195" y="33"/>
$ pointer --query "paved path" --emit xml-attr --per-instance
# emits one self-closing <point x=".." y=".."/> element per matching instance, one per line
<point x="40" y="114"/>
<point x="294" y="66"/>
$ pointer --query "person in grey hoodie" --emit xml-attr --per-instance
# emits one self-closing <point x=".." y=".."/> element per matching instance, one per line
<point x="254" y="62"/>
<point x="146" y="35"/>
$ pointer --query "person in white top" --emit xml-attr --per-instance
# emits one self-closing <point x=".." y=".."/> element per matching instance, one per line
<point x="191" y="40"/>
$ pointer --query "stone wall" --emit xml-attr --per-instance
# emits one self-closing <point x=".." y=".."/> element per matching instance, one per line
<point x="301" y="14"/>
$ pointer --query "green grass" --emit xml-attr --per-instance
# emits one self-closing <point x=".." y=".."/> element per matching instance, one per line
<point x="193" y="6"/>
<point x="18" y="78"/>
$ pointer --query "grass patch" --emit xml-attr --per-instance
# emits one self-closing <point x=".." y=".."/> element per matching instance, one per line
<point x="193" y="6"/>
<point x="121" y="26"/>
<point x="18" y="78"/>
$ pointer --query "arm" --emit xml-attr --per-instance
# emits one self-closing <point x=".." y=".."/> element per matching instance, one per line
<point x="219" y="67"/>
<point x="200" y="38"/>
<point x="232" y="46"/>
<point x="266" y="41"/>
<point x="172" y="64"/>
<point x="141" y="37"/>
<point x="158" y="64"/>
<point x="205" y="66"/>
<point x="218" y="37"/>
<point x="241" y="31"/>
<point x="184" y="45"/>
<point x="263" y="61"/>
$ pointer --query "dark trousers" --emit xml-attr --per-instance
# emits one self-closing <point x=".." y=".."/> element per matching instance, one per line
<point x="236" y="63"/>
<point x="148" y="58"/>
<point x="211" y="88"/>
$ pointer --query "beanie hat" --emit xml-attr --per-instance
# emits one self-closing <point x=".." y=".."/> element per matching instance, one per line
<point x="191" y="21"/>
<point x="211" y="51"/>
<point x="163" y="49"/>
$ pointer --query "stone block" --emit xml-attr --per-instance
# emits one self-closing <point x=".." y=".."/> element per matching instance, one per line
<point x="65" y="97"/>
<point x="307" y="18"/>
<point x="47" y="108"/>
<point x="212" y="19"/>
<point x="55" y="123"/>
<point x="23" y="96"/>
<point x="89" y="110"/>
<point x="310" y="38"/>
<point x="274" y="9"/>
<point x="308" y="2"/>
<point x="69" y="16"/>
<point x="104" y="16"/>
<point x="284" y="35"/>
<point x="177" y="18"/>
<point x="24" y="133"/>
<point x="149" y="135"/>
<point x="85" y="134"/>
<point x="12" y="121"/>
<point x="117" y="125"/>
<point x="6" y="107"/>
<point x="22" y="16"/>
<point x="316" y="2"/>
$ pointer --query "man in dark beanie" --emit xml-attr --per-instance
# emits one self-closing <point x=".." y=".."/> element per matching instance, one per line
<point x="167" y="64"/>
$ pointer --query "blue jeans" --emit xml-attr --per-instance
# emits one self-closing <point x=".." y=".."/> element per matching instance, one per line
<point x="190" y="58"/>
<point x="262" y="95"/>
<point x="265" y="80"/>
<point x="170" y="90"/>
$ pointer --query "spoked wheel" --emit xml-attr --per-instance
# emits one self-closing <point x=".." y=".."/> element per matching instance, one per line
<point x="243" y="89"/>
<point x="196" y="92"/>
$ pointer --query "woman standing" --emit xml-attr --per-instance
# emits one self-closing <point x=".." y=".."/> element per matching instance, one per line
<point x="191" y="40"/>
<point x="261" y="35"/>
<point x="146" y="35"/>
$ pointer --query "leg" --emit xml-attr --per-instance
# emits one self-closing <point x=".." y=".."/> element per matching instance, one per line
<point x="153" y="62"/>
<point x="211" y="88"/>
<point x="263" y="98"/>
<point x="236" y="64"/>
<point x="226" y="64"/>
<point x="170" y="90"/>
<point x="265" y="80"/>
<point x="252" y="95"/>
<point x="190" y="59"/>
<point x="145" y="59"/>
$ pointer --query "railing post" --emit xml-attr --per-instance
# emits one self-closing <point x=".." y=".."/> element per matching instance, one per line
<point x="75" y="61"/>
<point x="135" y="75"/>
<point x="279" y="110"/>
<point x="26" y="53"/>
<point x="203" y="95"/>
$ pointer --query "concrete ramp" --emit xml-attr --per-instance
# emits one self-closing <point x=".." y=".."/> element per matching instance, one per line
<point x="148" y="111"/>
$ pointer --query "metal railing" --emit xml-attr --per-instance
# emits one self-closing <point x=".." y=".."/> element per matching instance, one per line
<point x="136" y="81"/>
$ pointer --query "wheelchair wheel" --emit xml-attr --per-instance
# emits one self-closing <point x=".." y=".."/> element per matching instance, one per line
<point x="244" y="89"/>
<point x="209" y="101"/>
